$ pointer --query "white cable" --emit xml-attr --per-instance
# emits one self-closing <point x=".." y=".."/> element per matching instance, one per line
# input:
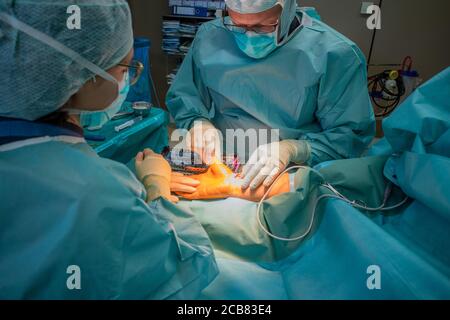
<point x="336" y="195"/>
<point x="396" y="205"/>
<point x="258" y="208"/>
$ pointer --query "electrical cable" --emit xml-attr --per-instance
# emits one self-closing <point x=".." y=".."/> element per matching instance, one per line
<point x="372" y="43"/>
<point x="336" y="195"/>
<point x="154" y="89"/>
<point x="380" y="93"/>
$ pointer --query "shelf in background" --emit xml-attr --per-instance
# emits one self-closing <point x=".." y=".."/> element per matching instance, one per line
<point x="180" y="35"/>
<point x="174" y="17"/>
<point x="176" y="54"/>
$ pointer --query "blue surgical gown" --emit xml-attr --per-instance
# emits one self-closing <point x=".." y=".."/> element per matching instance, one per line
<point x="409" y="244"/>
<point x="313" y="88"/>
<point x="62" y="205"/>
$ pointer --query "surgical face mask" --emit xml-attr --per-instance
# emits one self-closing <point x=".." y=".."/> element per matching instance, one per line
<point x="95" y="120"/>
<point x="256" y="45"/>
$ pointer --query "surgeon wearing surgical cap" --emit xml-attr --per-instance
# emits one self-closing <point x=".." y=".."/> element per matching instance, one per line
<point x="269" y="65"/>
<point x="74" y="225"/>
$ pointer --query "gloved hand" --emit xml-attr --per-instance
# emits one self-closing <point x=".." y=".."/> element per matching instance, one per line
<point x="269" y="160"/>
<point x="205" y="140"/>
<point x="219" y="182"/>
<point x="155" y="174"/>
<point x="181" y="183"/>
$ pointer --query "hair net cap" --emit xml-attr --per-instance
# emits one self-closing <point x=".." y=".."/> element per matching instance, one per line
<point x="257" y="6"/>
<point x="251" y="6"/>
<point x="37" y="79"/>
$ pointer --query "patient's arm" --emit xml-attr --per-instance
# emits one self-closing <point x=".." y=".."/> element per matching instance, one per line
<point x="220" y="182"/>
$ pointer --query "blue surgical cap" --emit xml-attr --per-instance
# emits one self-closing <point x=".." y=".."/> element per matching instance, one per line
<point x="257" y="6"/>
<point x="39" y="74"/>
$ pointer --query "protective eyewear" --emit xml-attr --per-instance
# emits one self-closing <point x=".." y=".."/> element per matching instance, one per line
<point x="134" y="69"/>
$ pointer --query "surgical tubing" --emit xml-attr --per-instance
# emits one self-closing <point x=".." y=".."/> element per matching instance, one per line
<point x="336" y="195"/>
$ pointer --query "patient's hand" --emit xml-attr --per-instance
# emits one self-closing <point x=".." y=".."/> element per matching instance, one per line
<point x="220" y="182"/>
<point x="183" y="184"/>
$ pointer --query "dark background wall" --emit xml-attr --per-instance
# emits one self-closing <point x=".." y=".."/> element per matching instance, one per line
<point x="147" y="22"/>
<point x="409" y="27"/>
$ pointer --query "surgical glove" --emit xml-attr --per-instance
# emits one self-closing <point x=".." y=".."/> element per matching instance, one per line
<point x="269" y="160"/>
<point x="181" y="183"/>
<point x="155" y="174"/>
<point x="219" y="182"/>
<point x="205" y="140"/>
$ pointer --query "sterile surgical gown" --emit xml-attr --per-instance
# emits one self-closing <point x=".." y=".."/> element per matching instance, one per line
<point x="63" y="209"/>
<point x="408" y="246"/>
<point x="312" y="88"/>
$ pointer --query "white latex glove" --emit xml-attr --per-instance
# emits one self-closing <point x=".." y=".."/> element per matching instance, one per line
<point x="155" y="174"/>
<point x="205" y="140"/>
<point x="181" y="183"/>
<point x="270" y="160"/>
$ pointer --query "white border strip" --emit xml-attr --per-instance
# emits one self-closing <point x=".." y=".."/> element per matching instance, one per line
<point x="30" y="142"/>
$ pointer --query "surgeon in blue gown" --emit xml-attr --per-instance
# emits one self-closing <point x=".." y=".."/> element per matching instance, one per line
<point x="74" y="225"/>
<point x="407" y="246"/>
<point x="268" y="65"/>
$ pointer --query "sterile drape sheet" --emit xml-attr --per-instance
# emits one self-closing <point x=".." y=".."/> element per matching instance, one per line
<point x="408" y="247"/>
